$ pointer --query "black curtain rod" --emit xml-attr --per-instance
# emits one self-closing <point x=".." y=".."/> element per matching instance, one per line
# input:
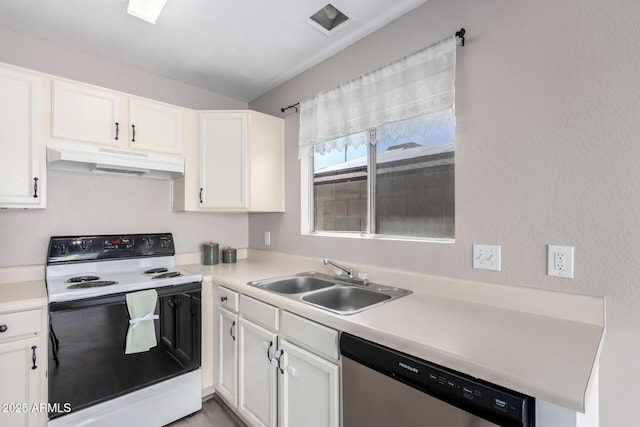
<point x="460" y="34"/>
<point x="296" y="105"/>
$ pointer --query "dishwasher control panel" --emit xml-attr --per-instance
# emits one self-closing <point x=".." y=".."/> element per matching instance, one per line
<point x="489" y="401"/>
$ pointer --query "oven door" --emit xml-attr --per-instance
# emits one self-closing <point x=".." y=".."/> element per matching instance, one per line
<point x="88" y="364"/>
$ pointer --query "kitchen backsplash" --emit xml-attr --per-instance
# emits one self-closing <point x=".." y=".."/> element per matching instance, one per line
<point x="102" y="204"/>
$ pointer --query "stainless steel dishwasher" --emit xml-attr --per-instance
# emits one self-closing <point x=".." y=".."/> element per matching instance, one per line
<point x="382" y="387"/>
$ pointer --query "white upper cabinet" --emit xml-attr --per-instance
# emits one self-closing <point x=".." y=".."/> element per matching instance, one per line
<point x="22" y="164"/>
<point x="223" y="161"/>
<point x="87" y="114"/>
<point x="241" y="164"/>
<point x="155" y="126"/>
<point x="100" y="116"/>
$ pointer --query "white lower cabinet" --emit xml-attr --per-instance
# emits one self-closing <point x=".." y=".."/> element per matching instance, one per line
<point x="309" y="391"/>
<point x="228" y="359"/>
<point x="23" y="366"/>
<point x="256" y="375"/>
<point x="288" y="374"/>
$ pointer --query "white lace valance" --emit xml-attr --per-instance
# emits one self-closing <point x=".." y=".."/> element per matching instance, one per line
<point x="414" y="86"/>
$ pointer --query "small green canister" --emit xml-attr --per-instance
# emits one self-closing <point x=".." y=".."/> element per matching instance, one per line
<point x="229" y="255"/>
<point x="211" y="252"/>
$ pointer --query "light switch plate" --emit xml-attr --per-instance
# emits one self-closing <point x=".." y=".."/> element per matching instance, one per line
<point x="487" y="257"/>
<point x="560" y="261"/>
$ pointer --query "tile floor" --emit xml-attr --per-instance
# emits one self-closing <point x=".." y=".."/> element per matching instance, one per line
<point x="213" y="413"/>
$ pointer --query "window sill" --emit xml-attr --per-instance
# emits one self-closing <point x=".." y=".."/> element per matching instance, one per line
<point x="381" y="237"/>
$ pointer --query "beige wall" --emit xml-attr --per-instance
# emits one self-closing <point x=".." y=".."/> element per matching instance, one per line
<point x="547" y="100"/>
<point x="84" y="203"/>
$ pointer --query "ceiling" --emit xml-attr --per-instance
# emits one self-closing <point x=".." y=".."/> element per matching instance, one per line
<point x="240" y="49"/>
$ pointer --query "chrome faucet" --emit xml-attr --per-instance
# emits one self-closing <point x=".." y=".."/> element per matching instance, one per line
<point x="349" y="271"/>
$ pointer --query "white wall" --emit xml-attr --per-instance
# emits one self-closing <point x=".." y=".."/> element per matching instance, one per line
<point x="96" y="204"/>
<point x="548" y="111"/>
<point x="80" y="204"/>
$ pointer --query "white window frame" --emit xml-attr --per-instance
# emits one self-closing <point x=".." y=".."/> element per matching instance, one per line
<point x="307" y="220"/>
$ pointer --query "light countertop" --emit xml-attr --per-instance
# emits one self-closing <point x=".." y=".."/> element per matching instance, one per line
<point x="542" y="348"/>
<point x="541" y="343"/>
<point x="23" y="296"/>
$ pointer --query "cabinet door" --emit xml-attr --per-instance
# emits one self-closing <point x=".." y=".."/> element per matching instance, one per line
<point x="88" y="114"/>
<point x="256" y="375"/>
<point x="22" y="164"/>
<point x="16" y="363"/>
<point x="223" y="161"/>
<point x="154" y="126"/>
<point x="309" y="390"/>
<point x="228" y="360"/>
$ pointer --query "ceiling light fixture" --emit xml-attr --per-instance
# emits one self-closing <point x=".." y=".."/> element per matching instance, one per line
<point x="147" y="10"/>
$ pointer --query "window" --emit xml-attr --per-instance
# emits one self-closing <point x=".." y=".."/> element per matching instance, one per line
<point x="408" y="192"/>
<point x="378" y="152"/>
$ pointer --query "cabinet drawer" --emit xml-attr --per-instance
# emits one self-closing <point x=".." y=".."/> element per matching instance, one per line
<point x="228" y="299"/>
<point x="20" y="323"/>
<point x="312" y="335"/>
<point x="265" y="314"/>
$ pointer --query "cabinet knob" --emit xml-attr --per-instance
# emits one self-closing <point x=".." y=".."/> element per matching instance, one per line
<point x="3" y="328"/>
<point x="223" y="299"/>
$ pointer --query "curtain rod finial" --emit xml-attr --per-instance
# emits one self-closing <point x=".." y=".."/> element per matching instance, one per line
<point x="460" y="34"/>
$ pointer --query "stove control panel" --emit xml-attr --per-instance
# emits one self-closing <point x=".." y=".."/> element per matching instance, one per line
<point x="65" y="249"/>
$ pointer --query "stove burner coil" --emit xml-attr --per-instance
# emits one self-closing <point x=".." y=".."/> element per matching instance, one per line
<point x="156" y="270"/>
<point x="92" y="284"/>
<point x="82" y="279"/>
<point x="167" y="275"/>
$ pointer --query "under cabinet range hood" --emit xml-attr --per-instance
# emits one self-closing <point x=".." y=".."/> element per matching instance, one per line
<point x="74" y="157"/>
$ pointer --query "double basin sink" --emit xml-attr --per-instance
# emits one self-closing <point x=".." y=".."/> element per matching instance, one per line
<point x="330" y="293"/>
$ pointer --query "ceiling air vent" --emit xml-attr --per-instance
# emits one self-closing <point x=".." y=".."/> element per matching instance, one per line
<point x="328" y="17"/>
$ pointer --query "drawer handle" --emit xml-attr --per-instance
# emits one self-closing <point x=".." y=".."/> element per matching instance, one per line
<point x="223" y="299"/>
<point x="35" y="188"/>
<point x="201" y="194"/>
<point x="117" y="130"/>
<point x="33" y="357"/>
<point x="231" y="330"/>
<point x="3" y="328"/>
<point x="133" y="132"/>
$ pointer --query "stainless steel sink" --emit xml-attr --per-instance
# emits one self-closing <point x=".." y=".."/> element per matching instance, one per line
<point x="330" y="293"/>
<point x="294" y="284"/>
<point x="345" y="299"/>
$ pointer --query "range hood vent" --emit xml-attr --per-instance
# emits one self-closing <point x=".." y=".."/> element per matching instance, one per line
<point x="74" y="157"/>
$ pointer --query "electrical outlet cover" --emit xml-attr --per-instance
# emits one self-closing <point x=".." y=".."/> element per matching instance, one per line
<point x="560" y="261"/>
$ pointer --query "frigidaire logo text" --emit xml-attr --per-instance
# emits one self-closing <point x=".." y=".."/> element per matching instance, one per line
<point x="407" y="367"/>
